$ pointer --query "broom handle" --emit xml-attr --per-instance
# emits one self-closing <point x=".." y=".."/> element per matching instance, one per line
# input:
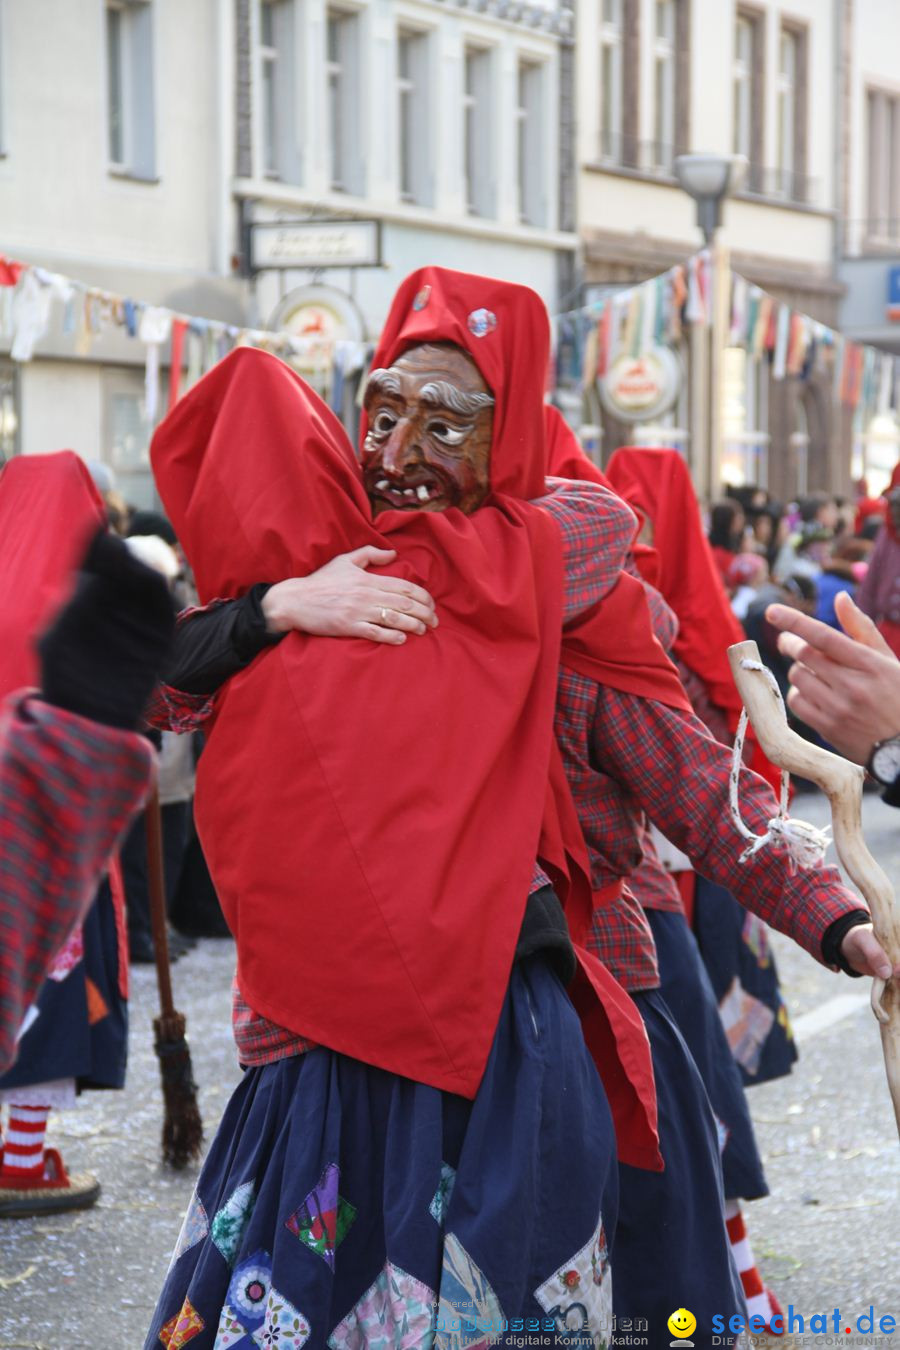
<point x="842" y="783"/>
<point x="156" y="880"/>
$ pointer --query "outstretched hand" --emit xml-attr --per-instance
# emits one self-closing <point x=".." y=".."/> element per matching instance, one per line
<point x="343" y="600"/>
<point x="845" y="685"/>
<point x="862" y="950"/>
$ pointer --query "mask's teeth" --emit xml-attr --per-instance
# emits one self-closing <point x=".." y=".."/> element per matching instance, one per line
<point x="409" y="492"/>
<point x="381" y="484"/>
<point x="422" y="493"/>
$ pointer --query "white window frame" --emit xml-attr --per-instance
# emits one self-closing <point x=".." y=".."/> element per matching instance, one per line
<point x="477" y="110"/>
<point x="742" y="83"/>
<point x="135" y="154"/>
<point x="268" y="57"/>
<point x="664" y="85"/>
<point x="277" y="152"/>
<point x="413" y="109"/>
<point x="786" y="99"/>
<point x="342" y="100"/>
<point x="611" y="79"/>
<point x="530" y="119"/>
<point x="883" y="164"/>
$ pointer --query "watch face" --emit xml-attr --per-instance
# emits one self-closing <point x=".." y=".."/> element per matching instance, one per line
<point x="886" y="761"/>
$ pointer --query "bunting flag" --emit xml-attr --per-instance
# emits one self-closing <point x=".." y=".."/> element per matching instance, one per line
<point x="28" y="294"/>
<point x="782" y="327"/>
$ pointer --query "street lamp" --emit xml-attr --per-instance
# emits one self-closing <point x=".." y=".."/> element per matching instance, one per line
<point x="709" y="179"/>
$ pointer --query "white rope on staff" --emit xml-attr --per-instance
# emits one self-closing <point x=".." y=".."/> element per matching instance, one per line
<point x="806" y="843"/>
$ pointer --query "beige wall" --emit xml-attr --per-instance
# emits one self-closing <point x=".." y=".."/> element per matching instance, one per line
<point x="62" y="407"/>
<point x="57" y="196"/>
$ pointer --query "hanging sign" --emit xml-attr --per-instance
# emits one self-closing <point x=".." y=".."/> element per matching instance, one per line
<point x="637" y="388"/>
<point x="315" y="244"/>
<point x="321" y="316"/>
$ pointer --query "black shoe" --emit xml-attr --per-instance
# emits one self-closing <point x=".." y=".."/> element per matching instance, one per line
<point x="141" y="952"/>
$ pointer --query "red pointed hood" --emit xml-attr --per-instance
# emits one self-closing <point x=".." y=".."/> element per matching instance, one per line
<point x="49" y="507"/>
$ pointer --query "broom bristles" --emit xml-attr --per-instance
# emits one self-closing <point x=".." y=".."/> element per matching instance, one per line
<point x="182" y="1133"/>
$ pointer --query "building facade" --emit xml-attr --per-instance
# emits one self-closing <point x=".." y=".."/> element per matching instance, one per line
<point x="657" y="78"/>
<point x="868" y="237"/>
<point x="216" y="157"/>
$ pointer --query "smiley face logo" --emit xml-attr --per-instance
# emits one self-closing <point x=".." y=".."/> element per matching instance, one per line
<point x="682" y="1324"/>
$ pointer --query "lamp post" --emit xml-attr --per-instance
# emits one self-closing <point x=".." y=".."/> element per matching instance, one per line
<point x="709" y="179"/>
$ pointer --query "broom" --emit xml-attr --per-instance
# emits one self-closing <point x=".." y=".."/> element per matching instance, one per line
<point x="182" y="1133"/>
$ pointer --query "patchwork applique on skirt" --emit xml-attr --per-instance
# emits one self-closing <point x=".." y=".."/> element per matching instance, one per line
<point x="737" y="954"/>
<point x="344" y="1206"/>
<point x="671" y="1248"/>
<point x="685" y="986"/>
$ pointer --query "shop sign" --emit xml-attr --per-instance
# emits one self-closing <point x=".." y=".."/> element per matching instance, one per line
<point x="315" y="244"/>
<point x="638" y="388"/>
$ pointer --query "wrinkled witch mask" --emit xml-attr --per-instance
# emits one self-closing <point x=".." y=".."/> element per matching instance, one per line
<point x="431" y="418"/>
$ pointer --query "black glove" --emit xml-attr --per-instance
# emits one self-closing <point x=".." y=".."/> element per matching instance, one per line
<point x="102" y="654"/>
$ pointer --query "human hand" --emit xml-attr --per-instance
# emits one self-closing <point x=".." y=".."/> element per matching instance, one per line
<point x="341" y="599"/>
<point x="862" y="950"/>
<point x="845" y="685"/>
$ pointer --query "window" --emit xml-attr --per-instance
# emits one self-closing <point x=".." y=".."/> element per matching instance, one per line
<point x="2" y="84"/>
<point x="412" y="117"/>
<point x="343" y="128"/>
<point x="743" y="87"/>
<point x="530" y="143"/>
<point x="664" y="132"/>
<point x="268" y="79"/>
<point x="131" y="142"/>
<point x="792" y="114"/>
<point x="747" y="134"/>
<point x="9" y="410"/>
<point x="611" y="79"/>
<point x="127" y="435"/>
<point x="278" y="149"/>
<point x="477" y="132"/>
<point x="883" y="165"/>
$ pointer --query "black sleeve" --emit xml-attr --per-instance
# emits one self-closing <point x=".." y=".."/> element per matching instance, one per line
<point x="834" y="936"/>
<point x="891" y="794"/>
<point x="214" y="644"/>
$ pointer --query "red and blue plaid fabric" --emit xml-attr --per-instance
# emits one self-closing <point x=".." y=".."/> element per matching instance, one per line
<point x="626" y="755"/>
<point x="68" y="788"/>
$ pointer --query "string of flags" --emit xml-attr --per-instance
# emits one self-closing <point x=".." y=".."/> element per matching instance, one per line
<point x="588" y="341"/>
<point x="29" y="296"/>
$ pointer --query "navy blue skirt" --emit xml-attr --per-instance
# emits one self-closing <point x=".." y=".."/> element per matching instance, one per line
<point x="690" y="999"/>
<point x="671" y="1248"/>
<point x="81" y="1030"/>
<point x="737" y="954"/>
<point x="344" y="1205"/>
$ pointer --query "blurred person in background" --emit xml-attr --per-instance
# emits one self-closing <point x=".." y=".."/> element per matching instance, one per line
<point x="844" y="570"/>
<point x="816" y="518"/>
<point x="879" y="594"/>
<point x="746" y="576"/>
<point x="98" y="661"/>
<point x="726" y="532"/>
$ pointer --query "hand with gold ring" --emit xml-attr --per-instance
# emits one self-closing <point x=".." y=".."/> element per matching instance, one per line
<point x="341" y="598"/>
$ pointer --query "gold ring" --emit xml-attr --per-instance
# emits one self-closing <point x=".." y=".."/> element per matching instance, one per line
<point x="383" y="614"/>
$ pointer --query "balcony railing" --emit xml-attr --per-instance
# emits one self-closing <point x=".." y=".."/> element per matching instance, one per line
<point x="628" y="152"/>
<point x="656" y="160"/>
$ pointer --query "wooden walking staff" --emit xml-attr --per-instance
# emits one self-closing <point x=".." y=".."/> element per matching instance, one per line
<point x="182" y="1134"/>
<point x="842" y="783"/>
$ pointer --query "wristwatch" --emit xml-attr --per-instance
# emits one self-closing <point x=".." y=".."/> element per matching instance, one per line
<point x="884" y="761"/>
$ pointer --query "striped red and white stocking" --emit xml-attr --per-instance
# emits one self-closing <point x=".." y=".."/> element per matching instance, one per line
<point x="761" y="1302"/>
<point x="23" y="1144"/>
